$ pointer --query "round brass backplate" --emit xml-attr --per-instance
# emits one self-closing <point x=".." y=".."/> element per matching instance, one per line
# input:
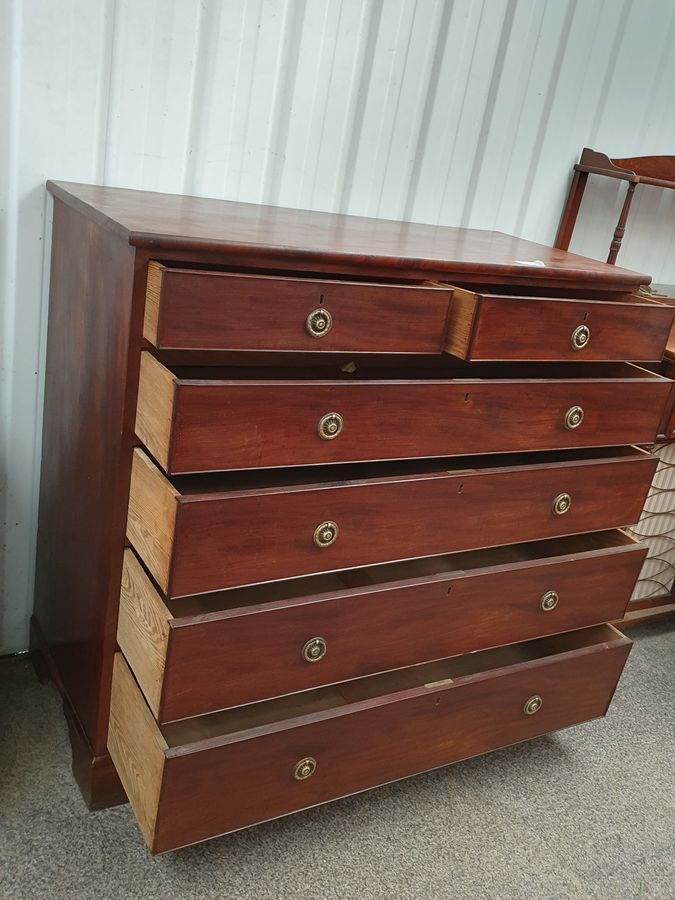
<point x="314" y="649"/>
<point x="574" y="417"/>
<point x="548" y="601"/>
<point x="330" y="426"/>
<point x="325" y="534"/>
<point x="561" y="504"/>
<point x="533" y="705"/>
<point x="580" y="337"/>
<point x="304" y="768"/>
<point x="318" y="323"/>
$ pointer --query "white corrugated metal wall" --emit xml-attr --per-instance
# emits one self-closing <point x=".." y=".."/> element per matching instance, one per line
<point x="454" y="111"/>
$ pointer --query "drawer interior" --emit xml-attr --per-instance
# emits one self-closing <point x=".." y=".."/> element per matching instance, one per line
<point x="506" y="294"/>
<point x="410" y="570"/>
<point x="516" y="292"/>
<point x="270" y="274"/>
<point x="445" y="369"/>
<point x="423" y="677"/>
<point x="504" y="289"/>
<point x="222" y="482"/>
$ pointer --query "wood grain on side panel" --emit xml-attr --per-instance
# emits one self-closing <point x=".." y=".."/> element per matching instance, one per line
<point x="463" y="308"/>
<point x="152" y="301"/>
<point x="154" y="412"/>
<point x="143" y="629"/>
<point x="136" y="746"/>
<point x="151" y="522"/>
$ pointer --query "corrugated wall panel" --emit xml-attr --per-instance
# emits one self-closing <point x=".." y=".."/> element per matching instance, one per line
<point x="443" y="111"/>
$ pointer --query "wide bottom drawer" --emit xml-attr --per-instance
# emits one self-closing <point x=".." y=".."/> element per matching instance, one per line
<point x="207" y="776"/>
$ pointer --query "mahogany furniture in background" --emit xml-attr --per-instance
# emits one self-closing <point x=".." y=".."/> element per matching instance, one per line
<point x="327" y="501"/>
<point x="658" y="171"/>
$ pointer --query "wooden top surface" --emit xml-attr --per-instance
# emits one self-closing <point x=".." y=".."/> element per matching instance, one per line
<point x="269" y="236"/>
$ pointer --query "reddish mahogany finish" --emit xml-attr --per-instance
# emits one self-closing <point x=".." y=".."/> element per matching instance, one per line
<point x="400" y="516"/>
<point x="86" y="455"/>
<point x="103" y="240"/>
<point x="266" y="237"/>
<point x="222" y="423"/>
<point x="222" y="311"/>
<point x="540" y="328"/>
<point x="221" y="784"/>
<point x="419" y="611"/>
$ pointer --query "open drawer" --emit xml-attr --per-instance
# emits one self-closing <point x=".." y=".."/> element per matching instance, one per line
<point x="485" y="326"/>
<point x="201" y="309"/>
<point x="193" y="655"/>
<point x="203" y="777"/>
<point x="218" y="419"/>
<point x="199" y="533"/>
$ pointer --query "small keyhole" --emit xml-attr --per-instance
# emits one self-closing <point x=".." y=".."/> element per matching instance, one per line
<point x="460" y="488"/>
<point x="438" y="700"/>
<point x="466" y="398"/>
<point x="585" y="316"/>
<point x="449" y="589"/>
<point x="321" y="299"/>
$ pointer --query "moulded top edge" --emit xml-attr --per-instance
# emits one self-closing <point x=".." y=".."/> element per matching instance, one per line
<point x="268" y="235"/>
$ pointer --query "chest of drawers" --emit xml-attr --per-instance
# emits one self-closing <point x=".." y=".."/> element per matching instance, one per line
<point x="327" y="501"/>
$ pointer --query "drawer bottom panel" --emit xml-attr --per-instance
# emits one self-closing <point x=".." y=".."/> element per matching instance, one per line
<point x="203" y="777"/>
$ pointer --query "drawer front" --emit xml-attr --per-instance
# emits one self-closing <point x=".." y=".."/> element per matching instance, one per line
<point x="222" y="784"/>
<point x="215" y="541"/>
<point x="193" y="309"/>
<point x="485" y="327"/>
<point x="194" y="663"/>
<point x="216" y="425"/>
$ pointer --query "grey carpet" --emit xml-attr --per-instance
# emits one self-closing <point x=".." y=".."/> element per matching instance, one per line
<point x="586" y="813"/>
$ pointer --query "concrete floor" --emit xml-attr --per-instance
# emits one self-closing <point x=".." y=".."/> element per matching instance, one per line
<point x="587" y="813"/>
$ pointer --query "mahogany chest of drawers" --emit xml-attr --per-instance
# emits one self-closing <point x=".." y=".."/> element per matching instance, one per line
<point x="327" y="501"/>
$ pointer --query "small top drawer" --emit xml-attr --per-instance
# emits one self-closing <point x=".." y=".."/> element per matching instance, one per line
<point x="492" y="327"/>
<point x="190" y="309"/>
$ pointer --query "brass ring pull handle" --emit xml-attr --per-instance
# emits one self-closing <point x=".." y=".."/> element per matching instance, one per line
<point x="318" y="323"/>
<point x="325" y="534"/>
<point x="548" y="601"/>
<point x="330" y="426"/>
<point x="574" y="417"/>
<point x="533" y="705"/>
<point x="580" y="337"/>
<point x="314" y="650"/>
<point x="561" y="504"/>
<point x="304" y="768"/>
